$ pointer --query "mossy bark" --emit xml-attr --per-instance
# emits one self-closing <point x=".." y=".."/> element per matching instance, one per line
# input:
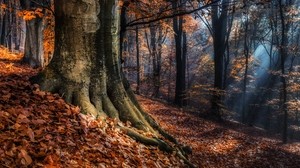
<point x="86" y="71"/>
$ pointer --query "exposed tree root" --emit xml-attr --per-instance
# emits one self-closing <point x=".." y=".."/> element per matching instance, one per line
<point x="147" y="140"/>
<point x="184" y="149"/>
<point x="109" y="108"/>
<point x="82" y="99"/>
<point x="125" y="108"/>
<point x="119" y="104"/>
<point x="162" y="145"/>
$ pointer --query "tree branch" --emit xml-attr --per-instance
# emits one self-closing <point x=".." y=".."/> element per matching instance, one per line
<point x="43" y="6"/>
<point x="180" y="13"/>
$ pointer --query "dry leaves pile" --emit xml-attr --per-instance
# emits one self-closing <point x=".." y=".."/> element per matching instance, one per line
<point x="38" y="129"/>
<point x="223" y="145"/>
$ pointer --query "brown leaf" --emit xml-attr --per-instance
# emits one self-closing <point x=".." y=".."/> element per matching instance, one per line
<point x="26" y="157"/>
<point x="17" y="126"/>
<point x="38" y="121"/>
<point x="6" y="97"/>
<point x="40" y="93"/>
<point x="30" y="134"/>
<point x="22" y="119"/>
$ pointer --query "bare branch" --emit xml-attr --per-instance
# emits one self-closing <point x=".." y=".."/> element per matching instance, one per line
<point x="179" y="13"/>
<point x="43" y="6"/>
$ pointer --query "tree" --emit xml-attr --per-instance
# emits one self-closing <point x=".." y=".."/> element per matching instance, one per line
<point x="138" y="76"/>
<point x="219" y="15"/>
<point x="180" y="52"/>
<point x="283" y="55"/>
<point x="157" y="38"/>
<point x="10" y="25"/>
<point x="246" y="53"/>
<point x="5" y="29"/>
<point x="85" y="68"/>
<point x="34" y="51"/>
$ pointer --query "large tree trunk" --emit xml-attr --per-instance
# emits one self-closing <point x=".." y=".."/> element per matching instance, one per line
<point x="86" y="71"/>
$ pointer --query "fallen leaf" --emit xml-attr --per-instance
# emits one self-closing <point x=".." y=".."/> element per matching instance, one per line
<point x="27" y="158"/>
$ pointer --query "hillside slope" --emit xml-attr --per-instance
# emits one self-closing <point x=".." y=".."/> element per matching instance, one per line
<point x="38" y="129"/>
<point x="227" y="144"/>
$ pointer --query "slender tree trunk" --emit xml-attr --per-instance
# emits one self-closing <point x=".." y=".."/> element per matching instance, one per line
<point x="2" y="13"/>
<point x="155" y="51"/>
<point x="170" y="61"/>
<point x="17" y="29"/>
<point x="227" y="54"/>
<point x="123" y="21"/>
<point x="157" y="62"/>
<point x="9" y="28"/>
<point x="138" y="77"/>
<point x="6" y="28"/>
<point x="283" y="55"/>
<point x="180" y="88"/>
<point x="246" y="53"/>
<point x="184" y="64"/>
<point x="219" y="27"/>
<point x="153" y="48"/>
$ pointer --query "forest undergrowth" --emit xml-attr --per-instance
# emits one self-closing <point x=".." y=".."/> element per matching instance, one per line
<point x="38" y="129"/>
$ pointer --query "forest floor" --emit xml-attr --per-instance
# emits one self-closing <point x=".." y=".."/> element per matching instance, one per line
<point x="38" y="129"/>
<point x="227" y="144"/>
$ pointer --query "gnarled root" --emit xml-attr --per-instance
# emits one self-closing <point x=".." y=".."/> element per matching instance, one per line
<point x="119" y="104"/>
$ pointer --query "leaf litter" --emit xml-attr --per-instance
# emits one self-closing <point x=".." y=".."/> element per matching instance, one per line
<point x="221" y="145"/>
<point x="39" y="129"/>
